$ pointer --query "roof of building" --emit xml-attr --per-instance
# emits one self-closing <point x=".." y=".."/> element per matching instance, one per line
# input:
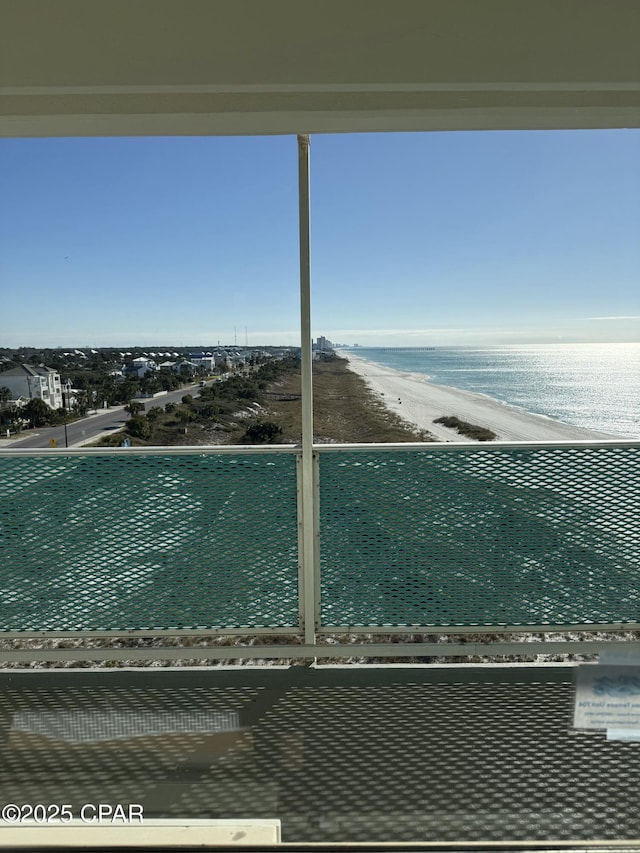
<point x="29" y="370"/>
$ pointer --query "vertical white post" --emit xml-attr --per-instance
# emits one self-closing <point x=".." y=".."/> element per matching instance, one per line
<point x="308" y="513"/>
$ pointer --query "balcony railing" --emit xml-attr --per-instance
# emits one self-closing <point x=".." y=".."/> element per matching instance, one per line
<point x="430" y="538"/>
<point x="480" y="536"/>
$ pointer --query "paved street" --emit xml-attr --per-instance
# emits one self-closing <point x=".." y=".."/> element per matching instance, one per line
<point x="88" y="429"/>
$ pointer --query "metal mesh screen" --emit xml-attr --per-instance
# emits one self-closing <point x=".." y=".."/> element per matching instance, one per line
<point x="445" y="762"/>
<point x="374" y="756"/>
<point x="148" y="542"/>
<point x="116" y="744"/>
<point x="481" y="536"/>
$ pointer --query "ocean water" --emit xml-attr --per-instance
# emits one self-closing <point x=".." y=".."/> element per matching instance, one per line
<point x="596" y="386"/>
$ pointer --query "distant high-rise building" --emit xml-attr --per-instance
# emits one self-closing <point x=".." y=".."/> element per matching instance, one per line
<point x="323" y="344"/>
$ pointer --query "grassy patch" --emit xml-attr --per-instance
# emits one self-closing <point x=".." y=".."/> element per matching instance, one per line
<point x="344" y="409"/>
<point x="464" y="428"/>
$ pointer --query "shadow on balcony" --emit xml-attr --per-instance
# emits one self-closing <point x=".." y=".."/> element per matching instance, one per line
<point x="197" y="555"/>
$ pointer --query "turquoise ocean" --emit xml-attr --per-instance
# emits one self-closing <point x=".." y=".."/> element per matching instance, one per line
<point x="595" y="386"/>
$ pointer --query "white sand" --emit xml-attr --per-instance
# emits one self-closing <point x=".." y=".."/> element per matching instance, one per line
<point x="423" y="402"/>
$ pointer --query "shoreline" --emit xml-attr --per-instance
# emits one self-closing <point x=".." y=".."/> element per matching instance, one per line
<point x="419" y="402"/>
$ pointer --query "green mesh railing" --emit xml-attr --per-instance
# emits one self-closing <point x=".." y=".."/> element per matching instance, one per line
<point x="486" y="536"/>
<point x="137" y="542"/>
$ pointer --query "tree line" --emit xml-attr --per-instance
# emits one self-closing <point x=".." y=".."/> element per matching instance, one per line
<point x="216" y="406"/>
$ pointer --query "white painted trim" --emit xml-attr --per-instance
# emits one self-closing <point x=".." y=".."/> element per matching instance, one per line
<point x="155" y="833"/>
<point x="308" y="511"/>
<point x="249" y="450"/>
<point x="310" y="651"/>
<point x="315" y="88"/>
<point x="278" y="122"/>
<point x="221" y="450"/>
<point x="457" y="446"/>
<point x="150" y="633"/>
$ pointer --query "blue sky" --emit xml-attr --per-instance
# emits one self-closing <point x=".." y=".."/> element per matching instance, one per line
<point x="440" y="238"/>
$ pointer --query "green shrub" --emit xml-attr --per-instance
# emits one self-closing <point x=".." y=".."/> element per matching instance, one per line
<point x="262" y="432"/>
<point x="464" y="428"/>
<point x="139" y="427"/>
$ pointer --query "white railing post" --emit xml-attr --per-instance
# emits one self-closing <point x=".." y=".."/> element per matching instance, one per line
<point x="308" y="496"/>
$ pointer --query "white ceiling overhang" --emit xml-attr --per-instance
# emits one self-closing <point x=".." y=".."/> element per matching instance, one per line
<point x="165" y="67"/>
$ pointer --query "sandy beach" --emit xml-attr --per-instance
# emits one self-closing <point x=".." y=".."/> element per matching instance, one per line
<point x="420" y="402"/>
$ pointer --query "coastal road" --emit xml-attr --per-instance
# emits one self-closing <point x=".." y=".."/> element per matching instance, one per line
<point x="88" y="429"/>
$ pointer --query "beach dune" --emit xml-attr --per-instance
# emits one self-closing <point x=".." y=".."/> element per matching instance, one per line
<point x="419" y="402"/>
